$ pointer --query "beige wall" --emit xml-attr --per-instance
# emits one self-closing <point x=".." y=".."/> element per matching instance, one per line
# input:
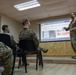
<point x="55" y="48"/>
<point x="13" y="25"/>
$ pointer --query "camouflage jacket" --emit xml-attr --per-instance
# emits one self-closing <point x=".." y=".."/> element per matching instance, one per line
<point x="73" y="32"/>
<point x="28" y="34"/>
<point x="4" y="49"/>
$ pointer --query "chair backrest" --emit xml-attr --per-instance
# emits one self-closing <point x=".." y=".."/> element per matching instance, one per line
<point x="27" y="46"/>
<point x="5" y="38"/>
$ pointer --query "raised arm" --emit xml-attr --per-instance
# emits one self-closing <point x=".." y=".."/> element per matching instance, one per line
<point x="68" y="28"/>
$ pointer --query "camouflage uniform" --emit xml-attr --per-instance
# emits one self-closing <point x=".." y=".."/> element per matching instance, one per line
<point x="73" y="34"/>
<point x="30" y="35"/>
<point x="6" y="58"/>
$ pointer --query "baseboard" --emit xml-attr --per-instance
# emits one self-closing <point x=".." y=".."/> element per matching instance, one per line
<point x="52" y="55"/>
<point x="53" y="60"/>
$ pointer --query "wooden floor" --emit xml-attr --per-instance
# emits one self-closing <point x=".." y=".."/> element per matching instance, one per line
<point x="49" y="69"/>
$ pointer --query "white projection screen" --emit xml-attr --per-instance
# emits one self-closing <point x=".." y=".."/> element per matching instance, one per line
<point x="54" y="30"/>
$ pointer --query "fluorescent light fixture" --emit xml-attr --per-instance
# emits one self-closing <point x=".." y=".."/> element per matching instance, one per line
<point x="27" y="5"/>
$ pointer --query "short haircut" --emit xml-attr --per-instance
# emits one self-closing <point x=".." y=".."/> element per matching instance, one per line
<point x="72" y="13"/>
<point x="24" y="21"/>
<point x="4" y="27"/>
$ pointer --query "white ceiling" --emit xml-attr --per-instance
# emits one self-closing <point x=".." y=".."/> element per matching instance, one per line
<point x="48" y="8"/>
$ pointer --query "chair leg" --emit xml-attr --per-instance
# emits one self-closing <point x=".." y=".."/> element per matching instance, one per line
<point x="19" y="64"/>
<point x="37" y="62"/>
<point x="42" y="60"/>
<point x="25" y="62"/>
<point x="13" y="64"/>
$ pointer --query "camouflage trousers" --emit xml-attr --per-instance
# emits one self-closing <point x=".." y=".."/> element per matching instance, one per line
<point x="6" y="58"/>
<point x="73" y="43"/>
<point x="42" y="49"/>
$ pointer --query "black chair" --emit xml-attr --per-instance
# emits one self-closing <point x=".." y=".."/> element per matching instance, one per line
<point x="27" y="47"/>
<point x="5" y="38"/>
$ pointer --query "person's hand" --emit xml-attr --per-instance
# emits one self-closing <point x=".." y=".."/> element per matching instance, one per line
<point x="64" y="28"/>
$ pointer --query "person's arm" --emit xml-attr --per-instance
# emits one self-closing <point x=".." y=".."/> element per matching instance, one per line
<point x="73" y="29"/>
<point x="68" y="28"/>
<point x="35" y="39"/>
<point x="13" y="43"/>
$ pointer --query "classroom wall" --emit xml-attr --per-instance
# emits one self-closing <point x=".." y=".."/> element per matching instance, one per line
<point x="13" y="25"/>
<point x="55" y="48"/>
